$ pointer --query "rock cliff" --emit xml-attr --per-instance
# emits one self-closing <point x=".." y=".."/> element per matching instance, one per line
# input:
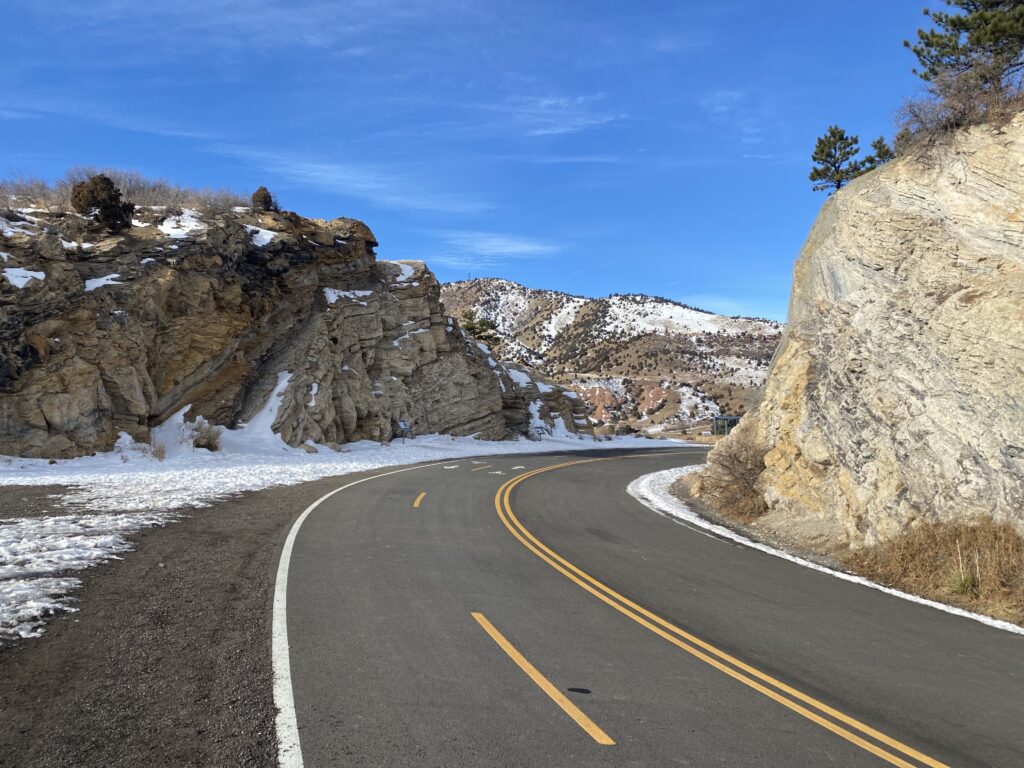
<point x="897" y="394"/>
<point x="102" y="334"/>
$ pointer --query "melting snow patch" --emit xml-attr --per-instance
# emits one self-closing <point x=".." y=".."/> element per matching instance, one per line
<point x="653" y="491"/>
<point x="4" y="256"/>
<point x="183" y="225"/>
<point x="70" y="246"/>
<point x="333" y="294"/>
<point x="407" y="271"/>
<point x="519" y="377"/>
<point x="260" y="237"/>
<point x="19" y="277"/>
<point x="99" y="282"/>
<point x="10" y="228"/>
<point x="137" y="223"/>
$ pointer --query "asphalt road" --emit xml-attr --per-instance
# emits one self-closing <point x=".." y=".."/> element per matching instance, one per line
<point x="409" y="595"/>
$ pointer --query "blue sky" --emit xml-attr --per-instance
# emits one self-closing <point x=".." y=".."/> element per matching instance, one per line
<point x="591" y="146"/>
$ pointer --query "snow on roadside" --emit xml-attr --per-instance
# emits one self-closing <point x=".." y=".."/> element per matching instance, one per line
<point x="128" y="489"/>
<point x="653" y="492"/>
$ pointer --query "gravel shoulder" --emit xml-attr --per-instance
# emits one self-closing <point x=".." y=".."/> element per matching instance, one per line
<point x="167" y="660"/>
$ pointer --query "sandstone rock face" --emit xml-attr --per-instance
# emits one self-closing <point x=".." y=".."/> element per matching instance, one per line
<point x="897" y="394"/>
<point x="104" y="334"/>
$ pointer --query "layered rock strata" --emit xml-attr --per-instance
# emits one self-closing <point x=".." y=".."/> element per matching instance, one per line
<point x="897" y="394"/>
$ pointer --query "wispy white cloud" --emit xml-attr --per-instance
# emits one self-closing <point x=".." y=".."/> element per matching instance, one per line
<point x="750" y="118"/>
<point x="16" y="114"/>
<point x="234" y="24"/>
<point x="554" y="114"/>
<point x="723" y="101"/>
<point x="379" y="185"/>
<point x="563" y="159"/>
<point x="473" y="248"/>
<point x="75" y="109"/>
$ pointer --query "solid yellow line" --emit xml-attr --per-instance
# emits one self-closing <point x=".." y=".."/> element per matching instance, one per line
<point x="419" y="499"/>
<point x="477" y="469"/>
<point x="617" y="601"/>
<point x="544" y="684"/>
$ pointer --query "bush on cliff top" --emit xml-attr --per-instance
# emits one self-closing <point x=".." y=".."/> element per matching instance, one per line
<point x="262" y="200"/>
<point x="98" y="196"/>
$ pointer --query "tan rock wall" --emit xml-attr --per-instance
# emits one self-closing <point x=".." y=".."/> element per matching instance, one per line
<point x="898" y="392"/>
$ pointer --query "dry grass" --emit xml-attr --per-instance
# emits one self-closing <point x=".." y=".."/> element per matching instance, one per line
<point x="23" y="191"/>
<point x="159" y="451"/>
<point x="954" y="102"/>
<point x="979" y="567"/>
<point x="206" y="435"/>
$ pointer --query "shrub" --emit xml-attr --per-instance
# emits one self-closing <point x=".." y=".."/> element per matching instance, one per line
<point x="262" y="200"/>
<point x="730" y="482"/>
<point x="206" y="435"/>
<point x="98" y="196"/>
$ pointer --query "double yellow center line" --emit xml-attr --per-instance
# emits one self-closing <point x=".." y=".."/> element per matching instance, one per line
<point x="839" y="723"/>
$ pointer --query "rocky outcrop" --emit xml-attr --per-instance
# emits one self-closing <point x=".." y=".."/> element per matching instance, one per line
<point x="103" y="334"/>
<point x="897" y="394"/>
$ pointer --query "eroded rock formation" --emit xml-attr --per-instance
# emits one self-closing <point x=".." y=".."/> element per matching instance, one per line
<point x="104" y="334"/>
<point x="897" y="394"/>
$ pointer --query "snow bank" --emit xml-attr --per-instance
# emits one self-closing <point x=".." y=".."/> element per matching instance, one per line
<point x="128" y="489"/>
<point x="653" y="491"/>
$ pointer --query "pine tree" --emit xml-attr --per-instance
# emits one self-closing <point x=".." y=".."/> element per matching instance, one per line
<point x="835" y="163"/>
<point x="481" y="330"/>
<point x="986" y="40"/>
<point x="882" y="153"/>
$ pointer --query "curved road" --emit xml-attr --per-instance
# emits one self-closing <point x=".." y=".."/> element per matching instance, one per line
<point x="477" y="613"/>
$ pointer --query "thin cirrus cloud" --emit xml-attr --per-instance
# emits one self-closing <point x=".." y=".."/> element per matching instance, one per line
<point x="555" y="115"/>
<point x="233" y="24"/>
<point x="379" y="185"/>
<point x="473" y="248"/>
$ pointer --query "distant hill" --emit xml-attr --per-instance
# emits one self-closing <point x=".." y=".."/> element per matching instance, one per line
<point x="646" y="361"/>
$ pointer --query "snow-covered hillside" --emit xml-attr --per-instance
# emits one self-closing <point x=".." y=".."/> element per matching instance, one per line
<point x="635" y="358"/>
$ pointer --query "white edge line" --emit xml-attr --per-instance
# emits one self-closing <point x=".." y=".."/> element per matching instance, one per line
<point x="289" y="749"/>
<point x="648" y="490"/>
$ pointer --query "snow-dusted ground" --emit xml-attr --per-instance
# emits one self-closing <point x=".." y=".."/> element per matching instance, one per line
<point x="653" y="491"/>
<point x="128" y="489"/>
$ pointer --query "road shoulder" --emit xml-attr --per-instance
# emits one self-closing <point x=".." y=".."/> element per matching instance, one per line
<point x="167" y="659"/>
